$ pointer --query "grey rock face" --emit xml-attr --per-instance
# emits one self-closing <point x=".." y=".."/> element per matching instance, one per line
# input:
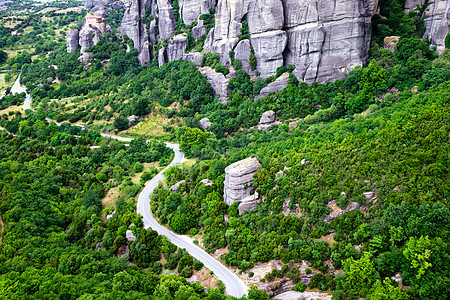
<point x="195" y="57"/>
<point x="219" y="83"/>
<point x="205" y="124"/>
<point x="324" y="39"/>
<point x="437" y="22"/>
<point x="72" y="37"/>
<point x="91" y="3"/>
<point x="238" y="179"/>
<point x="161" y="57"/>
<point x="412" y="4"/>
<point x="279" y="84"/>
<point x="199" y="30"/>
<point x="267" y="117"/>
<point x="190" y="10"/>
<point x="175" y="47"/>
<point x="167" y="21"/>
<point x="133" y="28"/>
<point x="242" y="52"/>
<point x="248" y="204"/>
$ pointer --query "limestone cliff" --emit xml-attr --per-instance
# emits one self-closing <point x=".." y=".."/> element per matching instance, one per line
<point x="437" y="22"/>
<point x="323" y="39"/>
<point x="133" y="27"/>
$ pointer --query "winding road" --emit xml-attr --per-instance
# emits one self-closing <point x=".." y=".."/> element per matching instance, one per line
<point x="234" y="286"/>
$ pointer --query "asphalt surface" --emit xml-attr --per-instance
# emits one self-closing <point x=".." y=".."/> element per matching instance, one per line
<point x="234" y="286"/>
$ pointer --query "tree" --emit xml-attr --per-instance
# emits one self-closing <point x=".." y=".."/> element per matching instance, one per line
<point x="3" y="56"/>
<point x="360" y="274"/>
<point x="418" y="253"/>
<point x="121" y="123"/>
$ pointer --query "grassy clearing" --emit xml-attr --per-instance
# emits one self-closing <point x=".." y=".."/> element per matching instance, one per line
<point x="152" y="126"/>
<point x="329" y="239"/>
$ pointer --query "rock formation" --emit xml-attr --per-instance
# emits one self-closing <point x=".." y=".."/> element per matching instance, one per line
<point x="323" y="39"/>
<point x="437" y="22"/>
<point x="72" y="37"/>
<point x="134" y="28"/>
<point x="267" y="117"/>
<point x="279" y="84"/>
<point x="238" y="184"/>
<point x="205" y="124"/>
<point x="219" y="83"/>
<point x="411" y="5"/>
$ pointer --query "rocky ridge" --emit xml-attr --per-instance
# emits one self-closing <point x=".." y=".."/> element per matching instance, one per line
<point x="323" y="39"/>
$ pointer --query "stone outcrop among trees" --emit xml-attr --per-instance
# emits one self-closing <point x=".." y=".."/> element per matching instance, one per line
<point x="238" y="183"/>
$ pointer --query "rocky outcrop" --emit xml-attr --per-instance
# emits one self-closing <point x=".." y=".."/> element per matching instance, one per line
<point x="324" y="39"/>
<point x="190" y="10"/>
<point x="248" y="204"/>
<point x="219" y="83"/>
<point x="135" y="29"/>
<point x="411" y="5"/>
<point x="176" y="186"/>
<point x="175" y="47"/>
<point x="91" y="3"/>
<point x="267" y="117"/>
<point x="72" y="37"/>
<point x="437" y="22"/>
<point x="167" y="21"/>
<point x="242" y="52"/>
<point x="161" y="57"/>
<point x="279" y="84"/>
<point x="238" y="180"/>
<point x="195" y="57"/>
<point x="205" y="124"/>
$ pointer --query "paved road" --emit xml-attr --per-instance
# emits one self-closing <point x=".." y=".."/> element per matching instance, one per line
<point x="234" y="286"/>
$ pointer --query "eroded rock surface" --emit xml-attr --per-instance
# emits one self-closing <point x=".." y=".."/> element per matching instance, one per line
<point x="205" y="124"/>
<point x="279" y="84"/>
<point x="238" y="180"/>
<point x="219" y="83"/>
<point x="72" y="37"/>
<point x="437" y="22"/>
<point x="267" y="117"/>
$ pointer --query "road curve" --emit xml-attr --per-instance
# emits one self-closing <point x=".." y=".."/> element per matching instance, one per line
<point x="234" y="286"/>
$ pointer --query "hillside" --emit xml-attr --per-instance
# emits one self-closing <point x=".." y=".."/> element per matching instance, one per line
<point x="317" y="137"/>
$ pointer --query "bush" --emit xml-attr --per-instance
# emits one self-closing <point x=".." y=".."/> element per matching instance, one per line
<point x="300" y="287"/>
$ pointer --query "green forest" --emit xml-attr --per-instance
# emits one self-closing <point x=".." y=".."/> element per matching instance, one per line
<point x="374" y="146"/>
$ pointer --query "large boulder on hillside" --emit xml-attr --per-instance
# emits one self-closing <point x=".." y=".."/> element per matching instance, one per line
<point x="205" y="124"/>
<point x="238" y="179"/>
<point x="279" y="84"/>
<point x="267" y="117"/>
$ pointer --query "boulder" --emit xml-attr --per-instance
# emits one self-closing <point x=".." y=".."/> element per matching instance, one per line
<point x="267" y="117"/>
<point x="72" y="37"/>
<point x="207" y="182"/>
<point x="123" y="250"/>
<point x="130" y="236"/>
<point x="205" y="124"/>
<point x="176" y="186"/>
<point x="390" y="43"/>
<point x="190" y="10"/>
<point x="279" y="84"/>
<point x="218" y="81"/>
<point x="238" y="179"/>
<point x="198" y="30"/>
<point x="411" y="5"/>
